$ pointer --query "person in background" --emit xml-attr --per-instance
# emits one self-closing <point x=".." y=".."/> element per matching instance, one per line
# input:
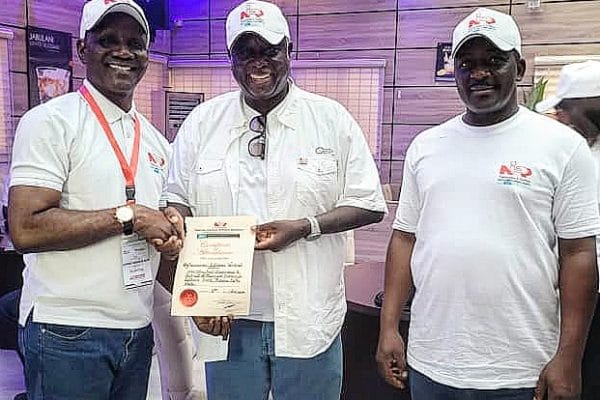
<point x="88" y="176"/>
<point x="175" y="350"/>
<point x="300" y="163"/>
<point x="485" y="200"/>
<point x="577" y="104"/>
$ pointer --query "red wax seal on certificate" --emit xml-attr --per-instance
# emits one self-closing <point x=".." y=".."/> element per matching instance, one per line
<point x="188" y="297"/>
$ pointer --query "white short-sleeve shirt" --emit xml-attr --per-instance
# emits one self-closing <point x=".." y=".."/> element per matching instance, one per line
<point x="317" y="159"/>
<point x="486" y="205"/>
<point x="61" y="146"/>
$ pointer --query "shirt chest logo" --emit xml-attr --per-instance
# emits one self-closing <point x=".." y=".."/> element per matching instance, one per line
<point x="514" y="173"/>
<point x="157" y="163"/>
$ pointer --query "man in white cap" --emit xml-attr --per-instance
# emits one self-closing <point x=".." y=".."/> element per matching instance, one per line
<point x="87" y="178"/>
<point x="298" y="162"/>
<point x="486" y="198"/>
<point x="577" y="104"/>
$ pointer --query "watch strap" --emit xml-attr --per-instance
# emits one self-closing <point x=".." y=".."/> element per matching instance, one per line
<point x="315" y="228"/>
<point x="128" y="227"/>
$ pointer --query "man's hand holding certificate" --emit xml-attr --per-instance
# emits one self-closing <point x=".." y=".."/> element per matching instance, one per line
<point x="215" y="267"/>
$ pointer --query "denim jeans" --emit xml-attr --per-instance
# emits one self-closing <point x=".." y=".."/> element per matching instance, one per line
<point x="78" y="363"/>
<point x="252" y="369"/>
<point x="423" y="388"/>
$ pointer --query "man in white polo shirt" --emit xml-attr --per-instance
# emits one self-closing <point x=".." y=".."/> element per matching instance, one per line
<point x="87" y="177"/>
<point x="577" y="104"/>
<point x="299" y="163"/>
<point x="486" y="198"/>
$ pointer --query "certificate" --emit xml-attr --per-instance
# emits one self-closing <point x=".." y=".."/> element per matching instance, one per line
<point x="214" y="270"/>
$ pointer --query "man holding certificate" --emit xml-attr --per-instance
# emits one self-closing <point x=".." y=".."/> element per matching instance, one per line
<point x="299" y="165"/>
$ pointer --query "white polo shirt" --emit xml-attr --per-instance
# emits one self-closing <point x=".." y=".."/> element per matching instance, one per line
<point x="486" y="205"/>
<point x="596" y="153"/>
<point x="60" y="145"/>
<point x="317" y="160"/>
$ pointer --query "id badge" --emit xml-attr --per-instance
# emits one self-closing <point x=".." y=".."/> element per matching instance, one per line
<point x="135" y="253"/>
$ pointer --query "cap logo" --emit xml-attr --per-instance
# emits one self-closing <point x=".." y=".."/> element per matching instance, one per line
<point x="109" y="1"/>
<point x="252" y="16"/>
<point x="478" y="20"/>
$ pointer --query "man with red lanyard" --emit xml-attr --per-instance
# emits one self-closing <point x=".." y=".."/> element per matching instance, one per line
<point x="88" y="177"/>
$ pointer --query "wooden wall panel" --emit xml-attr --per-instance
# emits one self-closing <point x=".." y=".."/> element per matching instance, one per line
<point x="344" y="6"/>
<point x="567" y="22"/>
<point x="428" y="27"/>
<point x="403" y="136"/>
<point x="191" y="38"/>
<point x="217" y="35"/>
<point x="387" y="55"/>
<point x="347" y="31"/>
<point x="13" y="13"/>
<point x="388" y="103"/>
<point x="59" y="15"/>
<point x="18" y="49"/>
<point x="386" y="142"/>
<point x="188" y="9"/>
<point x="396" y="168"/>
<point x="20" y="95"/>
<point x="424" y="4"/>
<point x="220" y="8"/>
<point x="531" y="51"/>
<point x="384" y="171"/>
<point x="417" y="68"/>
<point x="427" y="106"/>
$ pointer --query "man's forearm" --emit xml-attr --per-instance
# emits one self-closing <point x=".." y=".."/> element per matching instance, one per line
<point x="398" y="279"/>
<point x="58" y="229"/>
<point x="342" y="219"/>
<point x="578" y="283"/>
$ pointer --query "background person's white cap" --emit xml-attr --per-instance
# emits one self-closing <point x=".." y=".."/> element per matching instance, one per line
<point x="260" y="17"/>
<point x="577" y="80"/>
<point x="499" y="28"/>
<point x="95" y="10"/>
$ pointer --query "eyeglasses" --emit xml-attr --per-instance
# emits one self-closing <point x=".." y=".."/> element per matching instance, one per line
<point x="258" y="144"/>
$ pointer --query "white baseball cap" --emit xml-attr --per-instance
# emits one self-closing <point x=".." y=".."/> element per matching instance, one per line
<point x="577" y="80"/>
<point x="95" y="10"/>
<point x="499" y="28"/>
<point x="260" y="17"/>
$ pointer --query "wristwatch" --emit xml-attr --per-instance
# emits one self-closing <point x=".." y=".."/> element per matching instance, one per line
<point x="315" y="229"/>
<point x="124" y="215"/>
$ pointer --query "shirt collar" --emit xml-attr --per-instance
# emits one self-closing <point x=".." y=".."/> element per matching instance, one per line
<point x="285" y="112"/>
<point x="111" y="111"/>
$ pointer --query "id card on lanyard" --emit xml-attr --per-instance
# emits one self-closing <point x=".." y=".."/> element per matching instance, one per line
<point x="135" y="253"/>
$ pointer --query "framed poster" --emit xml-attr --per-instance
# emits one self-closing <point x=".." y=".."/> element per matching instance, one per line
<point x="49" y="55"/>
<point x="444" y="64"/>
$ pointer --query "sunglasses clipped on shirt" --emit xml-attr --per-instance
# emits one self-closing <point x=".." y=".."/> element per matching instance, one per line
<point x="258" y="144"/>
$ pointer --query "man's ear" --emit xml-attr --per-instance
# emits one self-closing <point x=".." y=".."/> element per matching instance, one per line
<point x="521" y="68"/>
<point x="81" y="49"/>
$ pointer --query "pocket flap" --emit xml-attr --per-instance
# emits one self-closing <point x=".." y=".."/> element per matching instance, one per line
<point x="319" y="166"/>
<point x="208" y="166"/>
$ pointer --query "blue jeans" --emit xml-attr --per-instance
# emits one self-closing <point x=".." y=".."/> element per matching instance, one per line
<point x="423" y="388"/>
<point x="78" y="363"/>
<point x="252" y="369"/>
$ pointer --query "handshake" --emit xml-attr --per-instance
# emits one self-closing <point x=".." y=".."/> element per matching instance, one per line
<point x="163" y="229"/>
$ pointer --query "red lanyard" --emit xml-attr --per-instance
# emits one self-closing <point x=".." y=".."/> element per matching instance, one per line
<point x="129" y="169"/>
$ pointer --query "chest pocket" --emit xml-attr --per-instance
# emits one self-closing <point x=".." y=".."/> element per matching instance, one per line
<point x="317" y="183"/>
<point x="208" y="183"/>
